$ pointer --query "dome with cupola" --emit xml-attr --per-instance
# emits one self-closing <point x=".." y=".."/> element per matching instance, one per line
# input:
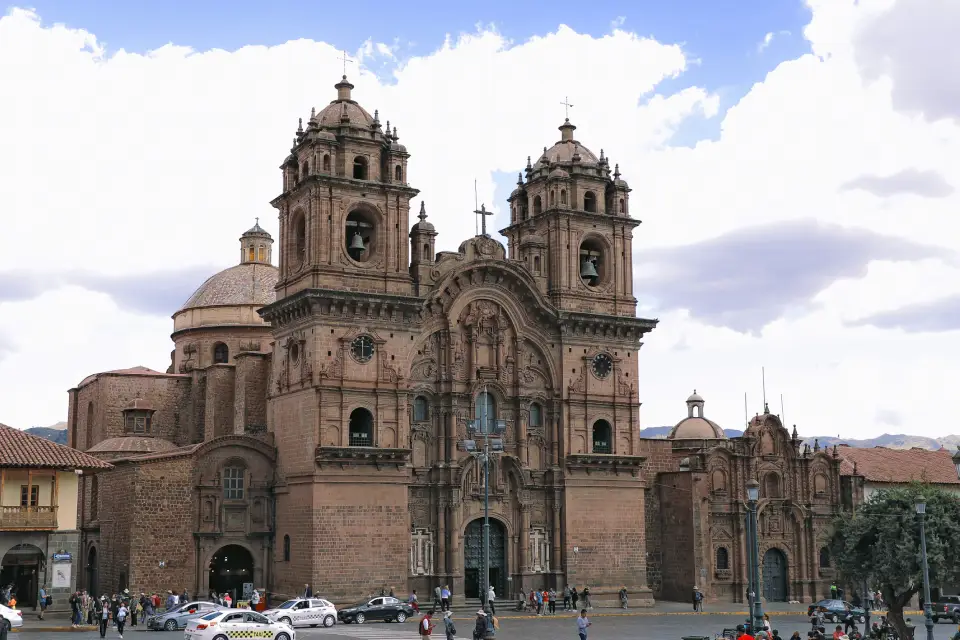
<point x="695" y="426"/>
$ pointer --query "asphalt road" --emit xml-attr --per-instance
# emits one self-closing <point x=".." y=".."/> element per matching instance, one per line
<point x="605" y="627"/>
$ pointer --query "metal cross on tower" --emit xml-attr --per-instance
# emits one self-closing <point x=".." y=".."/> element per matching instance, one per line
<point x="566" y="104"/>
<point x="345" y="60"/>
<point x="483" y="213"/>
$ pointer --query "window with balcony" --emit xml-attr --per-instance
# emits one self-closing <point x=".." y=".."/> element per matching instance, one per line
<point x="31" y="493"/>
<point x="233" y="483"/>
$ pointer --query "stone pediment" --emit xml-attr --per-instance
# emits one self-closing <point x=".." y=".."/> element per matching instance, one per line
<point x="482" y="248"/>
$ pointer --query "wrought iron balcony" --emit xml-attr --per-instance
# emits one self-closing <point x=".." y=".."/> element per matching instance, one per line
<point x="28" y="517"/>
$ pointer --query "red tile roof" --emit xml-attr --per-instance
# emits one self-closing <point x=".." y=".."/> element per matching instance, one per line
<point x="20" y="449"/>
<point x="895" y="466"/>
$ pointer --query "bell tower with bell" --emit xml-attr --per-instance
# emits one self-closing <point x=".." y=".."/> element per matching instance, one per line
<point x="570" y="225"/>
<point x="345" y="206"/>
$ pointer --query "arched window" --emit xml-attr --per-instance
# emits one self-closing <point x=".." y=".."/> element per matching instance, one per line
<point x="326" y="163"/>
<point x="553" y="198"/>
<point x="426" y="253"/>
<point x="421" y="409"/>
<point x="537" y="205"/>
<point x="398" y="173"/>
<point x="359" y="168"/>
<point x="360" y="234"/>
<point x="89" y="426"/>
<point x="233" y="483"/>
<point x="361" y="428"/>
<point x="286" y="548"/>
<point x="589" y="202"/>
<point x="300" y="239"/>
<point x="262" y="253"/>
<point x="536" y="415"/>
<point x="723" y="559"/>
<point x="251" y="253"/>
<point x="824" y="558"/>
<point x="820" y="484"/>
<point x="486" y="412"/>
<point x="602" y="437"/>
<point x="536" y="265"/>
<point x="306" y="169"/>
<point x="563" y="196"/>
<point x="623" y="205"/>
<point x="221" y="353"/>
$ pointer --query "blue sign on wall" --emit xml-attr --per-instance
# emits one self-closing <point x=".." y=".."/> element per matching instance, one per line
<point x="62" y="557"/>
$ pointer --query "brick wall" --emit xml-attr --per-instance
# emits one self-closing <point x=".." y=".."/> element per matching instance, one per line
<point x="116" y="517"/>
<point x="295" y="519"/>
<point x="677" y="535"/>
<point x="659" y="459"/>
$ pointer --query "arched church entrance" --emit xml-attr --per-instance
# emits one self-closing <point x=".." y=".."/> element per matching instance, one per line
<point x="231" y="567"/>
<point x="473" y="558"/>
<point x="93" y="578"/>
<point x="22" y="567"/>
<point x="774" y="576"/>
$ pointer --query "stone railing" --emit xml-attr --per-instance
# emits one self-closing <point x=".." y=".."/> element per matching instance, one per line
<point x="28" y="517"/>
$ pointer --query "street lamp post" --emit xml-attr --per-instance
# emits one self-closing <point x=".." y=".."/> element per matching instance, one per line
<point x="927" y="612"/>
<point x="756" y="607"/>
<point x="490" y="431"/>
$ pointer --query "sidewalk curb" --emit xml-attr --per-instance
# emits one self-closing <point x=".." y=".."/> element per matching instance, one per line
<point x="625" y="614"/>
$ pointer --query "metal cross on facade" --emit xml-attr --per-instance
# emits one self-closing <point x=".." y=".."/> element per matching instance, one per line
<point x="567" y="106"/>
<point x="345" y="60"/>
<point x="483" y="213"/>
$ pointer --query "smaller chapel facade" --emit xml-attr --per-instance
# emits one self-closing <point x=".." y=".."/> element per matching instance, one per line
<point x="696" y="510"/>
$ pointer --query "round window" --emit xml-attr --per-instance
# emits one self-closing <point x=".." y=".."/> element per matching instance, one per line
<point x="295" y="352"/>
<point x="362" y="348"/>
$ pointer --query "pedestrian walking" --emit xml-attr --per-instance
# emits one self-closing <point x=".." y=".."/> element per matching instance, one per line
<point x="586" y="597"/>
<point x="697" y="600"/>
<point x="103" y="615"/>
<point x="437" y="599"/>
<point x="43" y="600"/>
<point x="412" y="601"/>
<point x="308" y="592"/>
<point x="449" y="629"/>
<point x="122" y="612"/>
<point x="623" y="597"/>
<point x="574" y="596"/>
<point x="491" y="596"/>
<point x="445" y="597"/>
<point x="426" y="625"/>
<point x="583" y="623"/>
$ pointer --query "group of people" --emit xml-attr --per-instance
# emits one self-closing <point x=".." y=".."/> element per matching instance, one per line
<point x="481" y="625"/>
<point x="544" y="601"/>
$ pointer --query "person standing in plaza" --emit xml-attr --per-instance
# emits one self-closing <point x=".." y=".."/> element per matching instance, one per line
<point x="583" y="622"/>
<point x="553" y="600"/>
<point x="43" y="600"/>
<point x="586" y="597"/>
<point x="438" y="599"/>
<point x="426" y="625"/>
<point x="574" y="596"/>
<point x="308" y="592"/>
<point x="566" y="598"/>
<point x="412" y="601"/>
<point x="445" y="597"/>
<point x="491" y="596"/>
<point x="448" y="627"/>
<point x="623" y="597"/>
<point x="122" y="612"/>
<point x="103" y="614"/>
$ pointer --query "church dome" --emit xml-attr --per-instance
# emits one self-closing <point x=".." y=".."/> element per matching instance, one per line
<point x="251" y="283"/>
<point x="130" y="445"/>
<point x="424" y="225"/>
<point x="568" y="148"/>
<point x="695" y="426"/>
<point x="344" y="110"/>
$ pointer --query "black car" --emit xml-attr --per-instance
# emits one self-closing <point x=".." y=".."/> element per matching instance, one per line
<point x="838" y="611"/>
<point x="382" y="608"/>
<point x="947" y="608"/>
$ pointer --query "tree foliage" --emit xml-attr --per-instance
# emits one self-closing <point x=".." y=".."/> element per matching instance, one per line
<point x="880" y="543"/>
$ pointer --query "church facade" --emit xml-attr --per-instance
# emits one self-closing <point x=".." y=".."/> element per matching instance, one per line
<point x="313" y="426"/>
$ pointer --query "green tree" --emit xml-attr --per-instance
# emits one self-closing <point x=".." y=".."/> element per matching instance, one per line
<point x="880" y="544"/>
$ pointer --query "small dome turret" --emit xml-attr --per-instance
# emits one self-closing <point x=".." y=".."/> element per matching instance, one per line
<point x="256" y="245"/>
<point x="695" y="426"/>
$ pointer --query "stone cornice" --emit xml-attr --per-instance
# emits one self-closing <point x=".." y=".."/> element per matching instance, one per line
<point x="373" y="456"/>
<point x="582" y="216"/>
<point x="347" y="305"/>
<point x="344" y="184"/>
<point x="618" y="464"/>
<point x="575" y="323"/>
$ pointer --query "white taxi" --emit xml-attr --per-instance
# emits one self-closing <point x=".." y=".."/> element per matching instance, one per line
<point x="304" y="611"/>
<point x="234" y="623"/>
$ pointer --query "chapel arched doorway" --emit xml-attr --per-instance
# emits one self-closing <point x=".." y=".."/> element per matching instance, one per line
<point x="774" y="576"/>
<point x="231" y="567"/>
<point x="22" y="567"/>
<point x="93" y="578"/>
<point x="473" y="558"/>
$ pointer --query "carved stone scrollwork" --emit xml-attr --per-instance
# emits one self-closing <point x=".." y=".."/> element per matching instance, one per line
<point x="580" y="384"/>
<point x="333" y="370"/>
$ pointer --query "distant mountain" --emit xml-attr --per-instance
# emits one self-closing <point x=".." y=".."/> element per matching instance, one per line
<point x="892" y="441"/>
<point x="55" y="433"/>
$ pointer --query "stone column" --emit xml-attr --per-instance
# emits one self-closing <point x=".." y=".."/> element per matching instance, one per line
<point x="524" y="560"/>
<point x="456" y="546"/>
<point x="556" y="561"/>
<point x="441" y="557"/>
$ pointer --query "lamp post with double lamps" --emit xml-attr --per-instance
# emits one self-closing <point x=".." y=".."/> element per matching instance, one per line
<point x="753" y="553"/>
<point x="489" y="431"/>
<point x="927" y="611"/>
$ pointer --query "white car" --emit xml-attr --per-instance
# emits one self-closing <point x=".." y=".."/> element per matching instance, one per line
<point x="304" y="611"/>
<point x="11" y="618"/>
<point x="234" y="623"/>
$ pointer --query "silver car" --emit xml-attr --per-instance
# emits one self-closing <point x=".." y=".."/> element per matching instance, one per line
<point x="179" y="617"/>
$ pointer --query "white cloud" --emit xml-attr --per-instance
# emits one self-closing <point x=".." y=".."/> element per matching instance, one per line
<point x="768" y="39"/>
<point x="119" y="161"/>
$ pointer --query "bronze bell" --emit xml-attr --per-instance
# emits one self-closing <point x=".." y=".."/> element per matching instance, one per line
<point x="356" y="243"/>
<point x="588" y="271"/>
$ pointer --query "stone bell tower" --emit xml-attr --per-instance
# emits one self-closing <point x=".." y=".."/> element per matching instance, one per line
<point x="570" y="223"/>
<point x="345" y="206"/>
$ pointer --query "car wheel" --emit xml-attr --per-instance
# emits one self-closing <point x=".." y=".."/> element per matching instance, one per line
<point x="401" y="617"/>
<point x="281" y="636"/>
<point x="170" y="625"/>
<point x="329" y="621"/>
<point x="7" y="625"/>
<point x="221" y="637"/>
<point x="285" y="620"/>
<point x="360" y="619"/>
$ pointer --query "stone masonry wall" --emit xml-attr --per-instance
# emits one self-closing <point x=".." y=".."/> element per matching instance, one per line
<point x="294" y="519"/>
<point x="250" y="408"/>
<point x="678" y="536"/>
<point x="361" y="535"/>
<point x="218" y="413"/>
<point x="659" y="459"/>
<point x="116" y="515"/>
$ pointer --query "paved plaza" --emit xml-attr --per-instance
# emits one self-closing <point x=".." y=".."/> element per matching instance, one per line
<point x="606" y="626"/>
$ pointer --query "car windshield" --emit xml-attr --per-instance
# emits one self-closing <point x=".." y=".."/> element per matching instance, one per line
<point x="212" y="616"/>
<point x="287" y="604"/>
